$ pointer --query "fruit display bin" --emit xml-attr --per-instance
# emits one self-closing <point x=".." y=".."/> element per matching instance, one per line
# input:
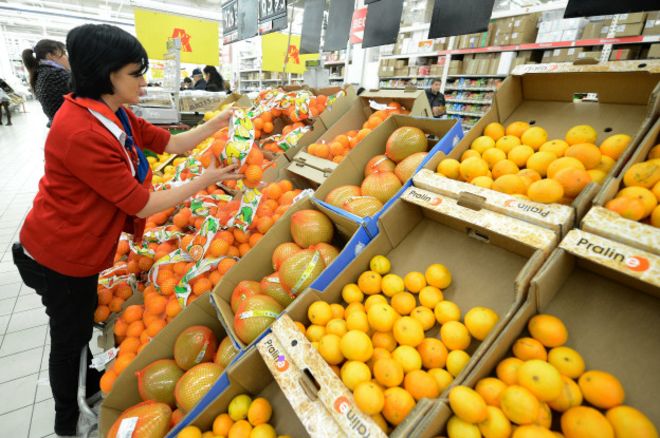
<point x="446" y="134"/>
<point x="125" y="392"/>
<point x="349" y="237"/>
<point x="602" y="221"/>
<point x="623" y="101"/>
<point x="317" y="169"/>
<point x="422" y="228"/>
<point x="610" y="307"/>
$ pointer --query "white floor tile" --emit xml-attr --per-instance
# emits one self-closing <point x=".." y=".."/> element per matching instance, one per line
<point x="25" y="290"/>
<point x="23" y="340"/>
<point x="16" y="423"/>
<point x="43" y="419"/>
<point x="8" y="267"/>
<point x="7" y="306"/>
<point x="43" y="387"/>
<point x="44" y="357"/>
<point x="4" y="322"/>
<point x="28" y="319"/>
<point x="10" y="290"/>
<point x="28" y="302"/>
<point x="19" y="393"/>
<point x="20" y="364"/>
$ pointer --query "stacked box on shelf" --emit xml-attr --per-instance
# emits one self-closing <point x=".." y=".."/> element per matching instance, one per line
<point x="349" y="237"/>
<point x="317" y="169"/>
<point x="444" y="135"/>
<point x="627" y="25"/>
<point x="605" y="302"/>
<point x="652" y="25"/>
<point x="546" y="100"/>
<point x="125" y="391"/>
<point x="604" y="222"/>
<point x="251" y="375"/>
<point x="419" y="229"/>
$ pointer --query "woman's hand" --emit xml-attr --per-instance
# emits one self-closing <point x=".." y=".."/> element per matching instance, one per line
<point x="221" y="120"/>
<point x="215" y="174"/>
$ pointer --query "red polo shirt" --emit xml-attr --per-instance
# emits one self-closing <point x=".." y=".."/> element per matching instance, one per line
<point x="88" y="194"/>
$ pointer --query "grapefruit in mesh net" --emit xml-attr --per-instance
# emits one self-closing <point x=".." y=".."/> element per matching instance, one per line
<point x="379" y="163"/>
<point x="244" y="290"/>
<point x="195" y="345"/>
<point x="271" y="285"/>
<point x="338" y="196"/>
<point x="363" y="206"/>
<point x="283" y="252"/>
<point x="157" y="381"/>
<point x="153" y="420"/>
<point x="309" y="227"/>
<point x="195" y="383"/>
<point x="404" y="142"/>
<point x="255" y="315"/>
<point x="226" y="352"/>
<point x="406" y="168"/>
<point x="300" y="270"/>
<point x="381" y="185"/>
<point x="328" y="252"/>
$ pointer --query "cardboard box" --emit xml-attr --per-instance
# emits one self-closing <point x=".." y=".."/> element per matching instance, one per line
<point x="502" y="39"/>
<point x="604" y="304"/>
<point x="591" y="55"/>
<point x="125" y="391"/>
<point x="547" y="100"/>
<point x="654" y="51"/>
<point x="523" y="37"/>
<point x="635" y="17"/>
<point x="623" y="30"/>
<point x="621" y="54"/>
<point x="570" y="35"/>
<point x="423" y="228"/>
<point x="652" y="25"/>
<point x="257" y="263"/>
<point x="250" y="375"/>
<point x="443" y="135"/>
<point x="599" y="220"/>
<point x="318" y="169"/>
<point x="592" y="30"/>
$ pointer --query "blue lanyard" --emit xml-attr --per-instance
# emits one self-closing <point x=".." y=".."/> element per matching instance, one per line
<point x="136" y="154"/>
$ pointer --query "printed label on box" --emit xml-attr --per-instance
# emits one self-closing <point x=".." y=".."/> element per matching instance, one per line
<point x="622" y="258"/>
<point x="604" y="222"/>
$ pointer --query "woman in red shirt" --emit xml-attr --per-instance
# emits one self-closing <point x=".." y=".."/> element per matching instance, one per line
<point x="96" y="184"/>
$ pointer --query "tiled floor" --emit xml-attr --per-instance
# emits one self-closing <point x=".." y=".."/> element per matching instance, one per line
<point x="26" y="403"/>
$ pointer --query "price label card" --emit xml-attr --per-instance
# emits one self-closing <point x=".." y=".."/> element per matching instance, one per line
<point x="101" y="360"/>
<point x="269" y="9"/>
<point x="230" y="17"/>
<point x="126" y="427"/>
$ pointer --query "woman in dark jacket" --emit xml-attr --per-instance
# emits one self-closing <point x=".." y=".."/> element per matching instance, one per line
<point x="214" y="81"/>
<point x="50" y="77"/>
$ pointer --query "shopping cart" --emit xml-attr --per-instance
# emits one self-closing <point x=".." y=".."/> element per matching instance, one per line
<point x="88" y="416"/>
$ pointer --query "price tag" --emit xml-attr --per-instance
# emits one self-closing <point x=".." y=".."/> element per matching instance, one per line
<point x="379" y="106"/>
<point x="126" y="427"/>
<point x="230" y="17"/>
<point x="269" y="9"/>
<point x="101" y="360"/>
<point x="307" y="193"/>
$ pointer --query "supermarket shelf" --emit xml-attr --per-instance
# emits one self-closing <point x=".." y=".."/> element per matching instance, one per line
<point x="470" y="89"/>
<point x="414" y="28"/>
<point x="329" y="63"/>
<point x="249" y="57"/>
<point x="461" y="113"/>
<point x="412" y="55"/>
<point x="556" y="45"/>
<point x="384" y="78"/>
<point x="477" y="76"/>
<point x="250" y="80"/>
<point x="249" y="71"/>
<point x="272" y="80"/>
<point x="473" y="102"/>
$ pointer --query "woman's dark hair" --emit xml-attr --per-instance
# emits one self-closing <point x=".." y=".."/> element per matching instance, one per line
<point x="42" y="49"/>
<point x="95" y="51"/>
<point x="215" y="82"/>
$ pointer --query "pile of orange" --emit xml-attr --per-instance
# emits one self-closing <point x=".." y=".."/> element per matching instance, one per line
<point x="341" y="145"/>
<point x="382" y="347"/>
<point x="542" y="377"/>
<point x="522" y="161"/>
<point x="638" y="200"/>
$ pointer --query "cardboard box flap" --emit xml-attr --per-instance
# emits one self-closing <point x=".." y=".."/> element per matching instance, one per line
<point x="413" y="100"/>
<point x="310" y="410"/>
<point x="617" y="257"/>
<point x="329" y="389"/>
<point x="605" y="222"/>
<point x="484" y="220"/>
<point x="557" y="217"/>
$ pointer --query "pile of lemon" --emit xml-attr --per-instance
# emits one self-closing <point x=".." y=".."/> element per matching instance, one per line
<point x="382" y="348"/>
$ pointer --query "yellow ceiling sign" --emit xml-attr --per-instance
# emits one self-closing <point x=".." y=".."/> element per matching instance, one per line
<point x="274" y="51"/>
<point x="199" y="38"/>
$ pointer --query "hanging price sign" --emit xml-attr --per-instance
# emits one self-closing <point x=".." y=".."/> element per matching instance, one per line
<point x="230" y="21"/>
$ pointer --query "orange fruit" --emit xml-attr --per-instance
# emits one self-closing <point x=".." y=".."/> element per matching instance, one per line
<point x="381" y="317"/>
<point x="483" y="181"/>
<point x="583" y="421"/>
<point x="374" y="299"/>
<point x="121" y="362"/>
<point x="447" y="311"/>
<point x="482" y="144"/>
<point x="480" y="321"/>
<point x="132" y="313"/>
<point x="505" y="167"/>
<point x="155" y="327"/>
<point x="459" y="428"/>
<point x="354" y="307"/>
<point x="541" y="379"/>
<point x="490" y="389"/>
<point x="614" y="145"/>
<point x="433" y="353"/>
<point x="557" y="147"/>
<point x="472" y="168"/>
<point x="135" y="329"/>
<point x="222" y="424"/>
<point x="403" y="303"/>
<point x="392" y="284"/>
<point x="353" y="373"/>
<point x="494" y="130"/>
<point x="534" y="137"/>
<point x="369" y="282"/>
<point x="424" y="316"/>
<point x="120" y="328"/>
<point x="408" y="331"/>
<point x="467" y="404"/>
<point x="336" y="327"/>
<point x="517" y="128"/>
<point x="414" y="281"/>
<point x="384" y="340"/>
<point x="442" y="377"/>
<point x="606" y="164"/>
<point x="449" y="167"/>
<point x="506" y="143"/>
<point x="519" y="405"/>
<point x="259" y="411"/>
<point x="587" y="153"/>
<point x="469" y="153"/>
<point x="337" y="311"/>
<point x="429" y="296"/>
<point x="629" y="208"/>
<point x="107" y="381"/>
<point x="369" y="398"/>
<point x="507" y="370"/>
<point x="388" y="372"/>
<point x="102" y="313"/>
<point x="510" y="184"/>
<point x="421" y="384"/>
<point x="581" y="134"/>
<point x="540" y="161"/>
<point x="601" y="389"/>
<point x="351" y="293"/>
<point x="629" y="422"/>
<point x="456" y="361"/>
<point x="548" y="329"/>
<point x="329" y="348"/>
<point x="655" y="217"/>
<point x="240" y="429"/>
<point x="408" y="357"/>
<point x="496" y="424"/>
<point x="455" y="335"/>
<point x="357" y="321"/>
<point x="646" y="196"/>
<point x="437" y="275"/>
<point x="532" y="431"/>
<point x="563" y="163"/>
<point x="567" y="361"/>
<point x="356" y="345"/>
<point x="570" y="396"/>
<point x="105" y="296"/>
<point x="572" y="181"/>
<point x="319" y="313"/>
<point x="398" y="404"/>
<point x="529" y="348"/>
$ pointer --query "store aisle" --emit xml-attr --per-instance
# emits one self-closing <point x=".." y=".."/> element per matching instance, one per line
<point x="26" y="404"/>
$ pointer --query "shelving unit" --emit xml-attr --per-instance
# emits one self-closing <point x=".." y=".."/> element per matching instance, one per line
<point x="336" y="65"/>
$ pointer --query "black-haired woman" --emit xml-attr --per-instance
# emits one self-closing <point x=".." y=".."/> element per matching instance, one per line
<point x="96" y="184"/>
<point x="214" y="81"/>
<point x="48" y="67"/>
